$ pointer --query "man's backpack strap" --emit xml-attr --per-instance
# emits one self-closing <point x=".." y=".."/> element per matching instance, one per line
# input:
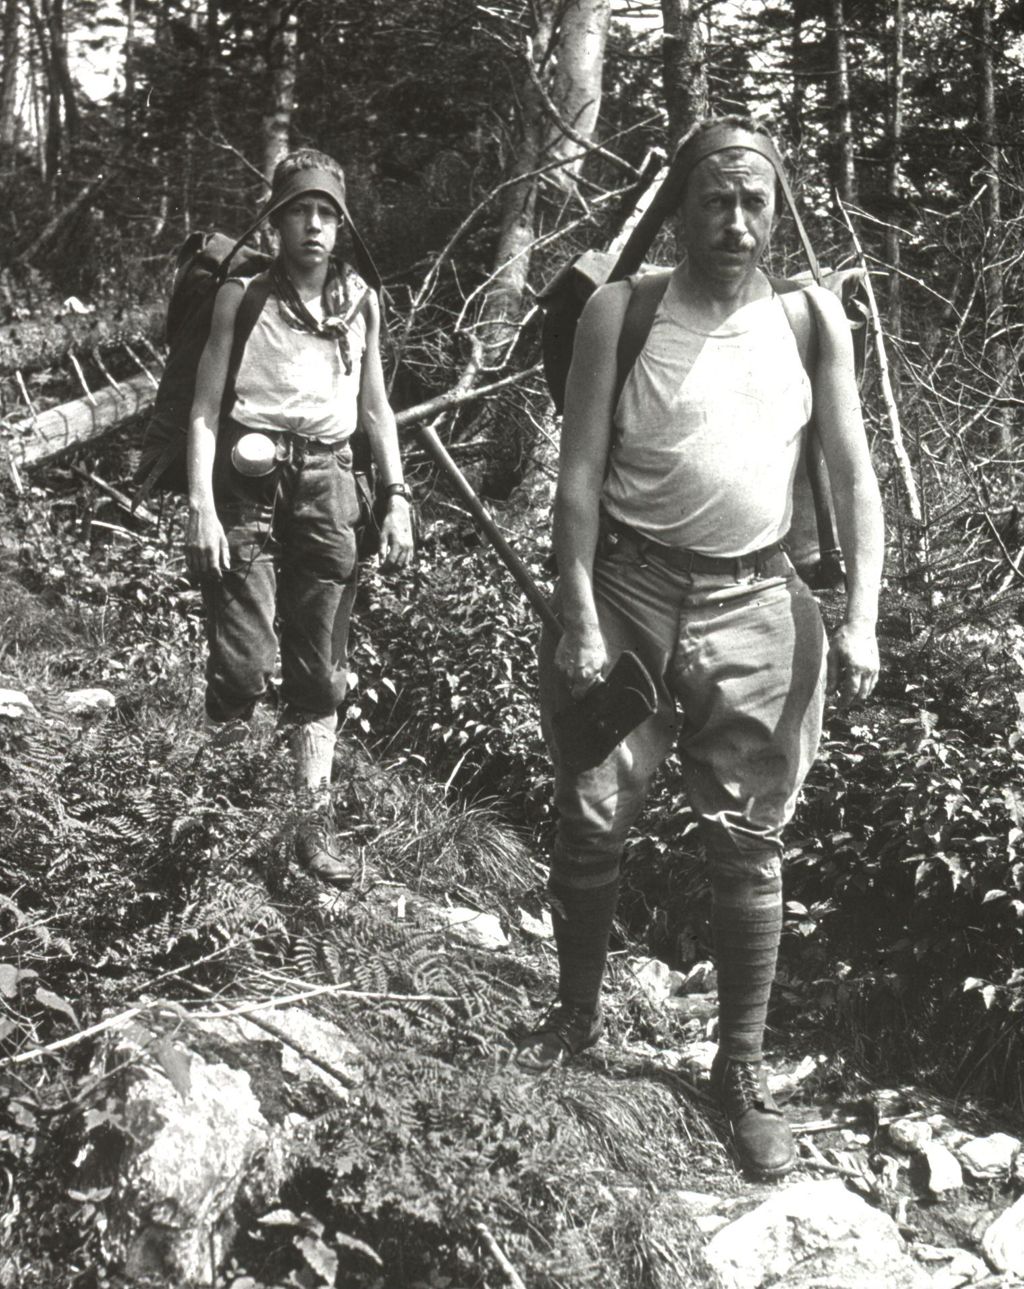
<point x="646" y="292"/>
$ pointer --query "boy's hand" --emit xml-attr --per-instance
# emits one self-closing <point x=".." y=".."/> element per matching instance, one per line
<point x="206" y="546"/>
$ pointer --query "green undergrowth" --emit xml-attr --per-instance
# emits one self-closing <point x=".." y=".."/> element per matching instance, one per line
<point x="141" y="866"/>
<point x="145" y="868"/>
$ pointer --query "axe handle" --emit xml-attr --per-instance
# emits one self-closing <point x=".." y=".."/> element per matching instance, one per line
<point x="490" y="529"/>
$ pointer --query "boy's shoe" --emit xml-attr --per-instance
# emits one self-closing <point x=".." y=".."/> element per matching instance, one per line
<point x="565" y="1031"/>
<point x="318" y="851"/>
<point x="760" y="1133"/>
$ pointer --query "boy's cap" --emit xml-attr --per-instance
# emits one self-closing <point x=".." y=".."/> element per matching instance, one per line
<point x="331" y="185"/>
<point x="300" y="182"/>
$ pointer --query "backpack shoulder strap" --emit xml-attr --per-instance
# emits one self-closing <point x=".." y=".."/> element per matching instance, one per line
<point x="801" y="310"/>
<point x="250" y="307"/>
<point x="646" y="293"/>
<point x="802" y="318"/>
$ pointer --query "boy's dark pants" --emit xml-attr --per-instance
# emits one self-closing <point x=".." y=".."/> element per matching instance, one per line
<point x="293" y="571"/>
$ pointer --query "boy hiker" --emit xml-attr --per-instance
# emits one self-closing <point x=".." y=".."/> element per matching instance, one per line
<point x="671" y="505"/>
<point x="272" y="499"/>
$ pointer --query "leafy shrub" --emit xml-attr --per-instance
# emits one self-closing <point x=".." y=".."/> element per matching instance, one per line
<point x="445" y="665"/>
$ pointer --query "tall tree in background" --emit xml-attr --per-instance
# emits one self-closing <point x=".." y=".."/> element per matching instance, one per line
<point x="565" y="56"/>
<point x="576" y="83"/>
<point x="684" y="70"/>
<point x="843" y="172"/>
<point x="894" y="160"/>
<point x="11" y="37"/>
<point x="282" y="61"/>
<point x="685" y="73"/>
<point x="992" y="205"/>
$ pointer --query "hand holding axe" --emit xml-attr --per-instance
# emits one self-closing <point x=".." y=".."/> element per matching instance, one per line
<point x="591" y="727"/>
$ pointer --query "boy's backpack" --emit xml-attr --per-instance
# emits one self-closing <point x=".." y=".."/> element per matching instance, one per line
<point x="203" y="264"/>
<point x="812" y="540"/>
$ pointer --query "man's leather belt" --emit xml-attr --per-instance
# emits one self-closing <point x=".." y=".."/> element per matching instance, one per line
<point x="768" y="559"/>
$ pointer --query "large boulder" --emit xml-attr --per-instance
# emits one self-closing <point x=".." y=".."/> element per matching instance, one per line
<point x="814" y="1234"/>
<point x="213" y="1111"/>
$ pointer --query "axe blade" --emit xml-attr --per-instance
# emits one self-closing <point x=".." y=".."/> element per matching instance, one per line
<point x="591" y="727"/>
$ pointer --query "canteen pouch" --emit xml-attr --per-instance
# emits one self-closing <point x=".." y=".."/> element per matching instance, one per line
<point x="591" y="727"/>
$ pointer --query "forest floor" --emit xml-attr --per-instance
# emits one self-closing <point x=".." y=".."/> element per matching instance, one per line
<point x="144" y="869"/>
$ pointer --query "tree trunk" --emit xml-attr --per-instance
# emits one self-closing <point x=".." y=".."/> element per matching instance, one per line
<point x="9" y="75"/>
<point x="684" y="70"/>
<point x="34" y="346"/>
<point x="893" y="168"/>
<point x="993" y="214"/>
<point x="798" y="72"/>
<point x="211" y="114"/>
<point x="843" y="175"/>
<point x="129" y="67"/>
<point x="282" y="26"/>
<point x="576" y="83"/>
<point x="52" y="134"/>
<point x="502" y="305"/>
<point x="62" y="429"/>
<point x="684" y="66"/>
<point x="65" y="85"/>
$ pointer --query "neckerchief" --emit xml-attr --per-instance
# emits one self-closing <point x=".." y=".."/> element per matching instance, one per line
<point x="335" y="302"/>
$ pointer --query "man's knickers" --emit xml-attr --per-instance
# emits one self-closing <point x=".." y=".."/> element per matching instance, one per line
<point x="739" y="665"/>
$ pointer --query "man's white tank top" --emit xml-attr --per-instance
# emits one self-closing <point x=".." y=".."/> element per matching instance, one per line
<point x="708" y="431"/>
<point x="293" y="380"/>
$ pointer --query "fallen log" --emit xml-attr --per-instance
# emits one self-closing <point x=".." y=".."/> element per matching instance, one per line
<point x="70" y="425"/>
<point x="35" y="345"/>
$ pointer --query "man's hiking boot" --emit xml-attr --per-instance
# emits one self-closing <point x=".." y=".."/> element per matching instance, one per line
<point x="760" y="1133"/>
<point x="565" y="1031"/>
<point x="318" y="851"/>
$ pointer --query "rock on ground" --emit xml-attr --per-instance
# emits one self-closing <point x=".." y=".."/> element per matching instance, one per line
<point x="944" y="1172"/>
<point x="217" y="1110"/>
<point x="473" y="928"/>
<point x="655" y="979"/>
<point x="89" y="702"/>
<point x="814" y="1235"/>
<point x="990" y="1156"/>
<point x="191" y="1146"/>
<point x="1003" y="1242"/>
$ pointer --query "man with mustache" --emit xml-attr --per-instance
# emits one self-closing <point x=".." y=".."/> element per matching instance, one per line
<point x="673" y="498"/>
<point x="291" y="367"/>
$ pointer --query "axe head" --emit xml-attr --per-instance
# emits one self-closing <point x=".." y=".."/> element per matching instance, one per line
<point x="593" y="726"/>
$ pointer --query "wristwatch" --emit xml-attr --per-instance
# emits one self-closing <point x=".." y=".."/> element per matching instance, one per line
<point x="397" y="490"/>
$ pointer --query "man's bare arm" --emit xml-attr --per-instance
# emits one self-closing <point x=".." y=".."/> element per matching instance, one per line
<point x="853" y="657"/>
<point x="586" y="442"/>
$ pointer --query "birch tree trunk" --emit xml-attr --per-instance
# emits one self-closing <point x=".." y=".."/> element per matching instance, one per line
<point x="282" y="27"/>
<point x="844" y="175"/>
<point x="576" y="83"/>
<point x="568" y="51"/>
<point x="9" y="74"/>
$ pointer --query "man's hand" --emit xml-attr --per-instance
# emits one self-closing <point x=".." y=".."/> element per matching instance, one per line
<point x="396" y="545"/>
<point x="853" y="661"/>
<point x="581" y="658"/>
<point x="206" y="547"/>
